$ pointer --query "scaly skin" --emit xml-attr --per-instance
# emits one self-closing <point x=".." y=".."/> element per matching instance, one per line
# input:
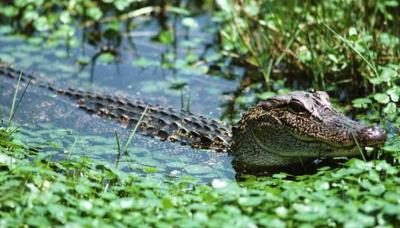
<point x="278" y="132"/>
<point x="298" y="127"/>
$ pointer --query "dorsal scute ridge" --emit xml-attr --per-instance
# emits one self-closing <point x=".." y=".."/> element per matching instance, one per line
<point x="161" y="122"/>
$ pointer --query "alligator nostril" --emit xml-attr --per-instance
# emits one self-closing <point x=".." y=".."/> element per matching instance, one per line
<point x="372" y="136"/>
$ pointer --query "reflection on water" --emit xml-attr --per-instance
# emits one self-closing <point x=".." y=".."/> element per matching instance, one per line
<point x="139" y="63"/>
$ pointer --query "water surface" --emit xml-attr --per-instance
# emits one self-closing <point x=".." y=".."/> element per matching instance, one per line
<point x="166" y="74"/>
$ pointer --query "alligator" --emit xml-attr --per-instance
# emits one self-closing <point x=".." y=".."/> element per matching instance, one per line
<point x="279" y="132"/>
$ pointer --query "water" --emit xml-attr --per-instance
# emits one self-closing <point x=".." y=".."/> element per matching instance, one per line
<point x="166" y="74"/>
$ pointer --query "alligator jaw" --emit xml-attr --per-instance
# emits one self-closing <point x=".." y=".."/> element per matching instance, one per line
<point x="365" y="136"/>
<point x="336" y="151"/>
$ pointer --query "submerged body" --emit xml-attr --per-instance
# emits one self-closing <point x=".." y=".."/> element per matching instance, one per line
<point x="278" y="132"/>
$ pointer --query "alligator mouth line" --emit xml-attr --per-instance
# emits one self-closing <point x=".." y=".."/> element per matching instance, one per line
<point x="355" y="142"/>
<point x="335" y="151"/>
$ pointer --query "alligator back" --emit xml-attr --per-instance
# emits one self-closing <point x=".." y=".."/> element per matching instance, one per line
<point x="160" y="122"/>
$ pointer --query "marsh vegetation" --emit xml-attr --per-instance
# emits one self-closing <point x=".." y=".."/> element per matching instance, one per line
<point x="61" y="166"/>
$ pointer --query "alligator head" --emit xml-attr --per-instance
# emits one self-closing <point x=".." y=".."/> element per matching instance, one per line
<point x="297" y="127"/>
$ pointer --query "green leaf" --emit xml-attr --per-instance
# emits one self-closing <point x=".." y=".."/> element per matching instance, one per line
<point x="225" y="5"/>
<point x="41" y="24"/>
<point x="94" y="13"/>
<point x="361" y="102"/>
<point x="250" y="201"/>
<point x="106" y="58"/>
<point x="167" y="203"/>
<point x="149" y="169"/>
<point x="388" y="74"/>
<point x="65" y="17"/>
<point x="141" y="62"/>
<point x="166" y="37"/>
<point x="252" y="8"/>
<point x="126" y="203"/>
<point x="121" y="4"/>
<point x="30" y="15"/>
<point x="9" y="11"/>
<point x="394" y="94"/>
<point x="393" y="146"/>
<point x="82" y="189"/>
<point x="38" y="221"/>
<point x="390" y="108"/>
<point x="85" y="205"/>
<point x="382" y="98"/>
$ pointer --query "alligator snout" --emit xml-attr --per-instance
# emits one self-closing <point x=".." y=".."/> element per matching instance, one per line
<point x="372" y="136"/>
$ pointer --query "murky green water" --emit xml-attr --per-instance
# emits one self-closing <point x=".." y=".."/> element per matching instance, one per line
<point x="167" y="74"/>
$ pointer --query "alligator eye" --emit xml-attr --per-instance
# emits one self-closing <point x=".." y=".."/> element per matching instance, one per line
<point x="297" y="108"/>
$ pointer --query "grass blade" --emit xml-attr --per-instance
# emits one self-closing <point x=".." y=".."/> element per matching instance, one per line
<point x="14" y="101"/>
<point x="118" y="149"/>
<point x="135" y="129"/>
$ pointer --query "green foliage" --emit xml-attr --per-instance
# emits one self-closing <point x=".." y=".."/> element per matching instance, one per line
<point x="293" y="32"/>
<point x="78" y="192"/>
<point x="59" y="19"/>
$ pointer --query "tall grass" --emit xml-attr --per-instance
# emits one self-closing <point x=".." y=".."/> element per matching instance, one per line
<point x="326" y="40"/>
